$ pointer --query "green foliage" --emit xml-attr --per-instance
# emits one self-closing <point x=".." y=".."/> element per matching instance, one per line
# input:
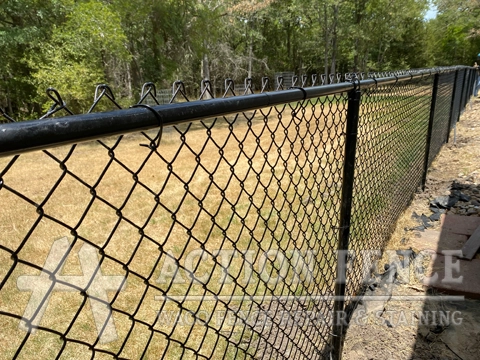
<point x="79" y="54"/>
<point x="73" y="45"/>
<point x="24" y="26"/>
<point x="455" y="33"/>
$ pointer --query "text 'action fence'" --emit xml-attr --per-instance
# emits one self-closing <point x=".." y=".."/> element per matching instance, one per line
<point x="210" y="229"/>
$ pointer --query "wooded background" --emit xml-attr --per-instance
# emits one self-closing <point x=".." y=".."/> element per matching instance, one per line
<point x="74" y="45"/>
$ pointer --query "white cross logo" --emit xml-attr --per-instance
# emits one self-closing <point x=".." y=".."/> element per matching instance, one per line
<point x="39" y="286"/>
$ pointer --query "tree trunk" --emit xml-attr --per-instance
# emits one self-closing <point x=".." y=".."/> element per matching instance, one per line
<point x="365" y="62"/>
<point x="289" y="43"/>
<point x="205" y="73"/>
<point x="9" y="105"/>
<point x="9" y="99"/>
<point x="129" y="81"/>
<point x="205" y="68"/>
<point x="334" y="39"/>
<point x="250" y="56"/>
<point x="325" y="28"/>
<point x="355" y="57"/>
<point x="359" y="9"/>
<point x="135" y="74"/>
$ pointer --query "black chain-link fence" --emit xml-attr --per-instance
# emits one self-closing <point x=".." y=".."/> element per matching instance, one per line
<point x="209" y="229"/>
<point x="440" y="125"/>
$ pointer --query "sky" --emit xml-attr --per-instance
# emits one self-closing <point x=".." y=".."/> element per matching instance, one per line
<point x="431" y="13"/>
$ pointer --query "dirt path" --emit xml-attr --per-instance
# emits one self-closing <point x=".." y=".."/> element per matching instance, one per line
<point x="432" y="329"/>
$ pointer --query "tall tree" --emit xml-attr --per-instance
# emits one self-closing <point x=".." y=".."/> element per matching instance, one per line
<point x="455" y="32"/>
<point x="24" y="27"/>
<point x="87" y="49"/>
<point x="75" y="44"/>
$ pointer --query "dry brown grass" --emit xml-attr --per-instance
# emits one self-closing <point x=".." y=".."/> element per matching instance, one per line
<point x="210" y="179"/>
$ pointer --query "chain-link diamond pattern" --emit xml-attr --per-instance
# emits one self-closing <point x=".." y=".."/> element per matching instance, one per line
<point x="215" y="239"/>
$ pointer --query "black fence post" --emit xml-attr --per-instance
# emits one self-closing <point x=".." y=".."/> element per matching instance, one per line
<point x="466" y="86"/>
<point x="430" y="128"/>
<point x="466" y="81"/>
<point x="460" y="104"/>
<point x="469" y="86"/>
<point x="473" y="83"/>
<point x="452" y="105"/>
<point x="353" y="111"/>
<point x="474" y="80"/>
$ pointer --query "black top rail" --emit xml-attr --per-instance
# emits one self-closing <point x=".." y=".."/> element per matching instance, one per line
<point x="26" y="136"/>
<point x="309" y="185"/>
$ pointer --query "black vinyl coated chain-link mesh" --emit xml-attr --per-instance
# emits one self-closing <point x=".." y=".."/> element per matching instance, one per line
<point x="213" y="239"/>
<point x="457" y="99"/>
<point x="440" y="126"/>
<point x="390" y="156"/>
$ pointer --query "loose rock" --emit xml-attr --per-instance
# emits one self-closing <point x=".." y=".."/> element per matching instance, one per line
<point x="435" y="216"/>
<point x="445" y="202"/>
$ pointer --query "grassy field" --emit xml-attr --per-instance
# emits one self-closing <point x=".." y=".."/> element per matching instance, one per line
<point x="250" y="183"/>
<point x="263" y="188"/>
